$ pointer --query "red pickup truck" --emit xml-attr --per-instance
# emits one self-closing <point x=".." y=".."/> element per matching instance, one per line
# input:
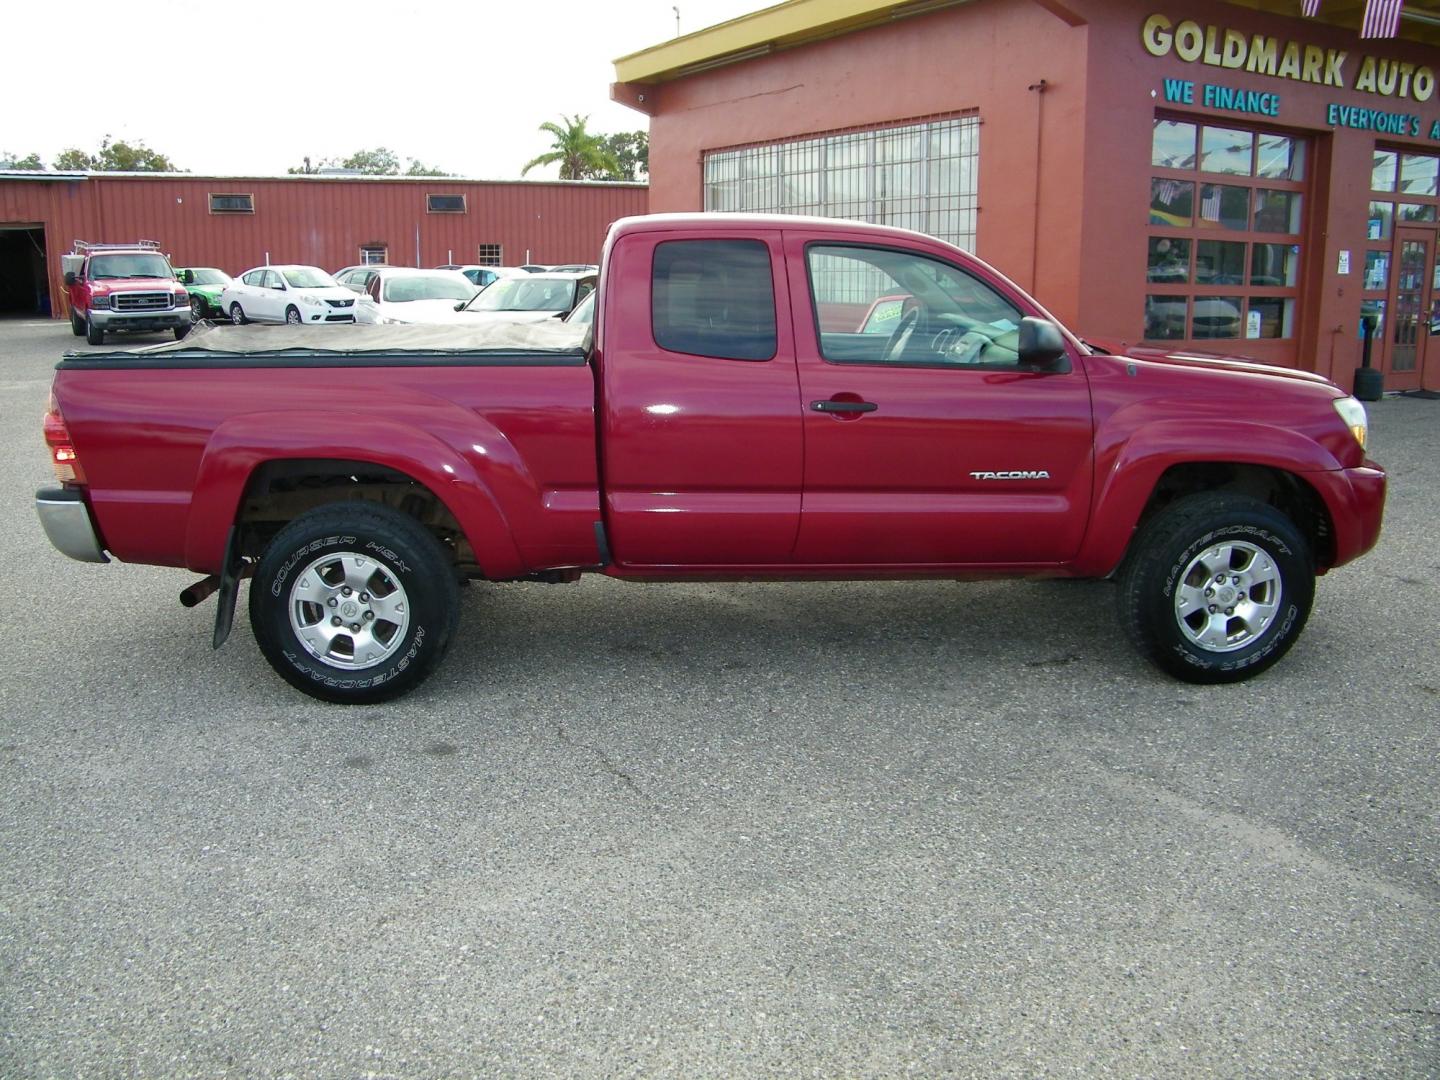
<point x="123" y="288"/>
<point x="731" y="414"/>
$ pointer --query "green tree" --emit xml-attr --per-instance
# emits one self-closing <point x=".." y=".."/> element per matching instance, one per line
<point x="29" y="163"/>
<point x="117" y="156"/>
<point x="631" y="151"/>
<point x="377" y="162"/>
<point x="418" y="168"/>
<point x="580" y="154"/>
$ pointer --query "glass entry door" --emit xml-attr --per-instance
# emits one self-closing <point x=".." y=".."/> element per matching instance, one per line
<point x="1412" y="307"/>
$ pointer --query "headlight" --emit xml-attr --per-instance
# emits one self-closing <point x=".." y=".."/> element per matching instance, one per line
<point x="100" y="301"/>
<point x="181" y="299"/>
<point x="314" y="301"/>
<point x="1353" y="413"/>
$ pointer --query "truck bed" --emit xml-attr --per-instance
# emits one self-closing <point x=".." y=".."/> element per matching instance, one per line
<point x="488" y="417"/>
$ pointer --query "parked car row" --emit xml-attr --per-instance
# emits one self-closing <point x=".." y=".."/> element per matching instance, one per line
<point x="307" y="295"/>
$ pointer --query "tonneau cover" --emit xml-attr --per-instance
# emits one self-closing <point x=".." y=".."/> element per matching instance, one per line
<point x="552" y="336"/>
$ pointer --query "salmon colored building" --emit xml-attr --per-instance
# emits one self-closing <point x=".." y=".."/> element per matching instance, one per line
<point x="235" y="223"/>
<point x="1229" y="177"/>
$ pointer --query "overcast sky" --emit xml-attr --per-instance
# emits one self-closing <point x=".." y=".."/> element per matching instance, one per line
<point x="252" y="88"/>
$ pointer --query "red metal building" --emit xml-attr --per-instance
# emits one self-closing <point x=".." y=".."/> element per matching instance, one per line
<point x="1226" y="176"/>
<point x="235" y="223"/>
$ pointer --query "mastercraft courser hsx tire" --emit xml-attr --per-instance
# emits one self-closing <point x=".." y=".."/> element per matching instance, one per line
<point x="354" y="603"/>
<point x="1216" y="587"/>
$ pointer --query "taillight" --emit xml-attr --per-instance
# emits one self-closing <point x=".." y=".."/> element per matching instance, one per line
<point x="62" y="449"/>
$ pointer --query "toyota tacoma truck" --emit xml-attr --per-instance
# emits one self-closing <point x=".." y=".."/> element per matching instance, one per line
<point x="730" y="414"/>
<point x="130" y="288"/>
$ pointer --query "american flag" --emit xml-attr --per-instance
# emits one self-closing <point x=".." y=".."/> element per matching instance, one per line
<point x="1210" y="204"/>
<point x="1167" y="191"/>
<point x="1382" y="18"/>
<point x="1310" y="7"/>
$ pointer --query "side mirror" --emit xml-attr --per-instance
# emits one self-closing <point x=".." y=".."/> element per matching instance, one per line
<point x="187" y="277"/>
<point x="70" y="278"/>
<point x="1042" y="346"/>
<point x="461" y="305"/>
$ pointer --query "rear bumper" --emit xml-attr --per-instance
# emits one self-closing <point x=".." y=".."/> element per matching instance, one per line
<point x="1356" y="500"/>
<point x="68" y="524"/>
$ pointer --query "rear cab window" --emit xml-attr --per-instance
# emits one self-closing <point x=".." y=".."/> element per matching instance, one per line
<point x="714" y="298"/>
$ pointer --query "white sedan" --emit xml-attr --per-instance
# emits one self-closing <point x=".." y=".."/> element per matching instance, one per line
<point x="398" y="294"/>
<point x="298" y="295"/>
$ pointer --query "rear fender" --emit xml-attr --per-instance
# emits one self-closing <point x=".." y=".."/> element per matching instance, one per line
<point x="1127" y="473"/>
<point x="466" y="486"/>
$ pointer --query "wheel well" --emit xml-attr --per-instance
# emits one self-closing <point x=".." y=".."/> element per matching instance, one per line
<point x="1283" y="490"/>
<point x="280" y="491"/>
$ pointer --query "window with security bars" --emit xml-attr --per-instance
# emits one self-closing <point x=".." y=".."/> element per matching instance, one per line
<point x="1226" y="232"/>
<point x="372" y="254"/>
<point x="920" y="176"/>
<point x="232" y="204"/>
<point x="490" y="255"/>
<point x="445" y="204"/>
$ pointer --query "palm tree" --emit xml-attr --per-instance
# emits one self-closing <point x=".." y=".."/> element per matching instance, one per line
<point x="582" y="156"/>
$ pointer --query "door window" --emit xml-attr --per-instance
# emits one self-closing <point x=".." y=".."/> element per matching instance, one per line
<point x="882" y="306"/>
<point x="714" y="298"/>
<point x="254" y="278"/>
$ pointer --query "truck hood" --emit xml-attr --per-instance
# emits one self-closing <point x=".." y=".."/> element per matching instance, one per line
<point x="1187" y="358"/>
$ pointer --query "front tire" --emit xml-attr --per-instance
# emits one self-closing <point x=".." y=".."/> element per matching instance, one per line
<point x="77" y="325"/>
<point x="237" y="315"/>
<point x="292" y="316"/>
<point x="1216" y="588"/>
<point x="198" y="309"/>
<point x="354" y="603"/>
<point x="180" y="332"/>
<point x="93" y="334"/>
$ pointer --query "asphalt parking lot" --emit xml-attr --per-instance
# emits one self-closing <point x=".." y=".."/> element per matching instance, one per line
<point x="848" y="829"/>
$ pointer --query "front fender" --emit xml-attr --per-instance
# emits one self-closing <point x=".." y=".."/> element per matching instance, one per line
<point x="241" y="444"/>
<point x="1127" y="472"/>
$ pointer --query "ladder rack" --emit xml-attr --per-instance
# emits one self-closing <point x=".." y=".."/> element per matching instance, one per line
<point x="84" y="247"/>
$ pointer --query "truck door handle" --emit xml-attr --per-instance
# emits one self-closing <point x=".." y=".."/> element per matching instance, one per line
<point x="833" y="406"/>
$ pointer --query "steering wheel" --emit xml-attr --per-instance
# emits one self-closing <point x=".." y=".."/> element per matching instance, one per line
<point x="900" y="336"/>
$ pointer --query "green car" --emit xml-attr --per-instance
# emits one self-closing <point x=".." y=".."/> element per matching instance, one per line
<point x="205" y="284"/>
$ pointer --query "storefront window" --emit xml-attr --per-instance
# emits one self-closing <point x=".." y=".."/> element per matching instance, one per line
<point x="1420" y="175"/>
<point x="1378" y="225"/>
<point x="1223" y="206"/>
<point x="1169" y="260"/>
<point x="1280" y="158"/>
<point x="1377" y="271"/>
<point x="1274" y="264"/>
<point x="1224" y="150"/>
<point x="1222" y="200"/>
<point x="1172" y="202"/>
<point x="1277" y="211"/>
<point x="1382" y="172"/>
<point x="1424" y="212"/>
<point x="921" y="176"/>
<point x="1173" y="145"/>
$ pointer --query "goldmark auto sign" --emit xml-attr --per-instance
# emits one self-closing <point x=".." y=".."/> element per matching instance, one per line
<point x="1262" y="54"/>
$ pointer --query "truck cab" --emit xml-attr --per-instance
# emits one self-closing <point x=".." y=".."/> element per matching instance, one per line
<point x="123" y="288"/>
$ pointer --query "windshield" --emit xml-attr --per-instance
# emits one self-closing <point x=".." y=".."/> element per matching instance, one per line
<point x="209" y="277"/>
<point x="584" y="311"/>
<point x="307" y="277"/>
<point x="525" y="294"/>
<point x="398" y="290"/>
<point x="110" y="267"/>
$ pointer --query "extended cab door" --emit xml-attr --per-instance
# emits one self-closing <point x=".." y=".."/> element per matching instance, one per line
<point x="926" y="442"/>
<point x="700" y="409"/>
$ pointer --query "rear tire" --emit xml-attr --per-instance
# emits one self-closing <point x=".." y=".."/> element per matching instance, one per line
<point x="93" y="334"/>
<point x="1216" y="588"/>
<point x="354" y="603"/>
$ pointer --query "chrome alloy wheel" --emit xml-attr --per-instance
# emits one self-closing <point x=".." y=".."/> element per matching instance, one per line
<point x="1228" y="596"/>
<point x="348" y="610"/>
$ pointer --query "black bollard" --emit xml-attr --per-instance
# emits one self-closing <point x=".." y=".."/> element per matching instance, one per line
<point x="1369" y="381"/>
